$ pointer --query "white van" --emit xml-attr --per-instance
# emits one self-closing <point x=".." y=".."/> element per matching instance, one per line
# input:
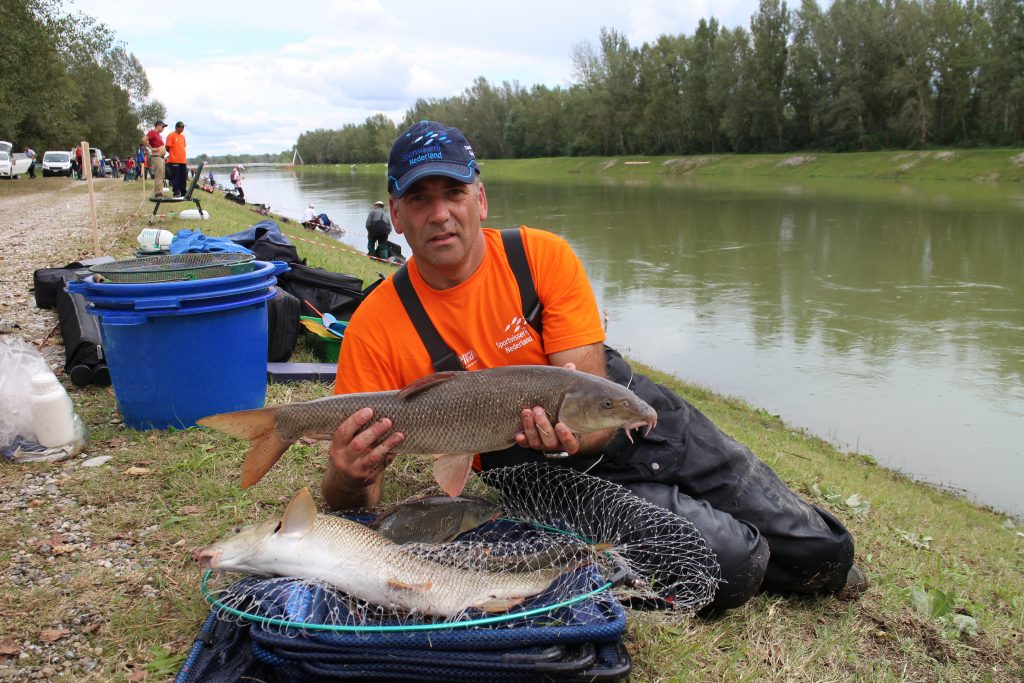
<point x="56" y="163"/>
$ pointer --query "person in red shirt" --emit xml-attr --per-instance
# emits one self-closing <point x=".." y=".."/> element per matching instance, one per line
<point x="177" y="160"/>
<point x="153" y="141"/>
<point x="764" y="535"/>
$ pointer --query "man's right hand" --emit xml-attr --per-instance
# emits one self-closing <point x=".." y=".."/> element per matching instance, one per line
<point x="358" y="458"/>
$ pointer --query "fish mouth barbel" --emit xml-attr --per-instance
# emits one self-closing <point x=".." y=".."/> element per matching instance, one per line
<point x="368" y="566"/>
<point x="450" y="415"/>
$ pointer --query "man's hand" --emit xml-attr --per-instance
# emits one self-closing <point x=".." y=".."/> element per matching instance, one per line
<point x="358" y="458"/>
<point x="538" y="432"/>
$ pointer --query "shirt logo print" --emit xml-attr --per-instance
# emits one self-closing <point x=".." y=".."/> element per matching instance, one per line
<point x="517" y="335"/>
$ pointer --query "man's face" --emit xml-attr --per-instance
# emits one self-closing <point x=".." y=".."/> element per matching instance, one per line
<point x="440" y="218"/>
<point x="179" y="129"/>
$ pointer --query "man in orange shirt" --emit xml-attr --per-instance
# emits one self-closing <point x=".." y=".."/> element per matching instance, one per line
<point x="763" y="534"/>
<point x="177" y="160"/>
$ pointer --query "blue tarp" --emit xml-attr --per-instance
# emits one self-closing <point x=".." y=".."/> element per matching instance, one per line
<point x="190" y="241"/>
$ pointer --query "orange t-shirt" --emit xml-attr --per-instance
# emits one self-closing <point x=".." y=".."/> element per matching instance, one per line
<point x="176" y="148"/>
<point x="480" y="319"/>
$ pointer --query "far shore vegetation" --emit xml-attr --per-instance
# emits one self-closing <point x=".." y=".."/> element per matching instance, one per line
<point x="946" y="595"/>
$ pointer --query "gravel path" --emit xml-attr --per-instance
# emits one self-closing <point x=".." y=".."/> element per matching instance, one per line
<point x="49" y="227"/>
<point x="47" y="533"/>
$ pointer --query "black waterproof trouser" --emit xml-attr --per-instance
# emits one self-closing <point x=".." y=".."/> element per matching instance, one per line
<point x="764" y="535"/>
<point x="177" y="174"/>
<point x="377" y="244"/>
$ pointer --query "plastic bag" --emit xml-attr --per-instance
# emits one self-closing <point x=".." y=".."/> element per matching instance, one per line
<point x="18" y="363"/>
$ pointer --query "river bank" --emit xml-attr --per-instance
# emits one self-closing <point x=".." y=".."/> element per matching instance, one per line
<point x="983" y="166"/>
<point x="99" y="585"/>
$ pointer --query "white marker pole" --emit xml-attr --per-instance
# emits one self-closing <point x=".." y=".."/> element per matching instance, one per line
<point x="87" y="167"/>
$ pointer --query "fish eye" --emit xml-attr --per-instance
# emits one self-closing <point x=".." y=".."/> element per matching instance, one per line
<point x="606" y="403"/>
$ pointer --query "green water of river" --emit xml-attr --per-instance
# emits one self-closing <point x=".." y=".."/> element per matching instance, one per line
<point x="887" y="317"/>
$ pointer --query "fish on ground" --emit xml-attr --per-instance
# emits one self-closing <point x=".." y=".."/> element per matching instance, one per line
<point x="433" y="519"/>
<point x="450" y="415"/>
<point x="365" y="565"/>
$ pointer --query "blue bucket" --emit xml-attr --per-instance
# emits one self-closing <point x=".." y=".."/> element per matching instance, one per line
<point x="179" y="351"/>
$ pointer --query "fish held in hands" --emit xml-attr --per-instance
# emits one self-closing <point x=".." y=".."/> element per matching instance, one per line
<point x="366" y="565"/>
<point x="451" y="415"/>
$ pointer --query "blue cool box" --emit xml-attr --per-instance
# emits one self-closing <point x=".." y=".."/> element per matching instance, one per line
<point x="180" y="351"/>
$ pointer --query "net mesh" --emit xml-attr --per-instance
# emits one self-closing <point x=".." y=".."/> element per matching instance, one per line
<point x="589" y="533"/>
<point x="174" y="267"/>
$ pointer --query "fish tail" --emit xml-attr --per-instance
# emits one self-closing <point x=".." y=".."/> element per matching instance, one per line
<point x="258" y="426"/>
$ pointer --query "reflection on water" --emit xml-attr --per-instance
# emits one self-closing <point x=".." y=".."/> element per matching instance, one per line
<point x="886" y="317"/>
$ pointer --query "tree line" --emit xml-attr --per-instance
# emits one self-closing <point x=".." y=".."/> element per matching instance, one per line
<point x="859" y="75"/>
<point x="65" y="78"/>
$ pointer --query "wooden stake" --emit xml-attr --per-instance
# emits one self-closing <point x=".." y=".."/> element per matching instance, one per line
<point x="87" y="165"/>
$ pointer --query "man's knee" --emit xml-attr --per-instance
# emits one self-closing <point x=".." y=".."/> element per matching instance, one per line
<point x="739" y="548"/>
<point x="813" y="564"/>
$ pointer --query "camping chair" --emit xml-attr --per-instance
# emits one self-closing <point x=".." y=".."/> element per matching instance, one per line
<point x="157" y="201"/>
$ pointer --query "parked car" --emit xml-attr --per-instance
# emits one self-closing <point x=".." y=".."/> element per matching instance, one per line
<point x="56" y="163"/>
<point x="12" y="165"/>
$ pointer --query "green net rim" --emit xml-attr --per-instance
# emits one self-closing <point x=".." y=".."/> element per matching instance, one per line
<point x="342" y="628"/>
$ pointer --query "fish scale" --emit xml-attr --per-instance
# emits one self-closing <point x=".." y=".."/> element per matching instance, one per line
<point x="494" y="399"/>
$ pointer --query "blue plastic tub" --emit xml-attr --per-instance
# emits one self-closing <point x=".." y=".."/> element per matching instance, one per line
<point x="179" y="351"/>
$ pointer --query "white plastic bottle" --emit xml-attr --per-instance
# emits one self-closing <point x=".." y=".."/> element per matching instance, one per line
<point x="155" y="239"/>
<point x="53" y="415"/>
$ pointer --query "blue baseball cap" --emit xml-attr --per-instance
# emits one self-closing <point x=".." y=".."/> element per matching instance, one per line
<point x="429" y="148"/>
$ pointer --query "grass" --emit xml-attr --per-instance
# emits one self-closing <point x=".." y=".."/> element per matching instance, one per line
<point x="978" y="165"/>
<point x="912" y="540"/>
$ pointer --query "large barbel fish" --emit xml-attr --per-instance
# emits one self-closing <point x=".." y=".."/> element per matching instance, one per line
<point x="365" y="565"/>
<point x="451" y="415"/>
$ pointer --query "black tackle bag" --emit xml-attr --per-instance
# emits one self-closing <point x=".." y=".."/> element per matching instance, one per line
<point x="329" y="292"/>
<point x="84" y="362"/>
<point x="267" y="242"/>
<point x="283" y="312"/>
<point x="46" y="282"/>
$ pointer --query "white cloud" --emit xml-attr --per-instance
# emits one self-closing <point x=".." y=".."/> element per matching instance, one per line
<point x="252" y="77"/>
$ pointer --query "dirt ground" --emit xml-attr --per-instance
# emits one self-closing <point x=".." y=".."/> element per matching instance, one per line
<point x="48" y="224"/>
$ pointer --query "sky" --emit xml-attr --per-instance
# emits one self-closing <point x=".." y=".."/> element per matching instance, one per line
<point x="248" y="78"/>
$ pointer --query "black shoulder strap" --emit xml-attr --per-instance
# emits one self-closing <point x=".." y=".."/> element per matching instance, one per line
<point x="516" y="253"/>
<point x="442" y="357"/>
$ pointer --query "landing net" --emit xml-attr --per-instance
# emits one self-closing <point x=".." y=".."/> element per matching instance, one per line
<point x="599" y="538"/>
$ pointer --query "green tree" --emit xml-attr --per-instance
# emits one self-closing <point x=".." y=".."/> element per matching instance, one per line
<point x="1001" y="77"/>
<point x="769" y="28"/>
<point x="804" y="79"/>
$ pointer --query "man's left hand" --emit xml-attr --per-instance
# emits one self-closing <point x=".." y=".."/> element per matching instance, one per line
<point x="539" y="434"/>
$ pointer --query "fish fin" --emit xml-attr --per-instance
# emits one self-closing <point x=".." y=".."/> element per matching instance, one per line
<point x="424" y="383"/>
<point x="258" y="426"/>
<point x="403" y="586"/>
<point x="300" y="515"/>
<point x="499" y="604"/>
<point x="451" y="471"/>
